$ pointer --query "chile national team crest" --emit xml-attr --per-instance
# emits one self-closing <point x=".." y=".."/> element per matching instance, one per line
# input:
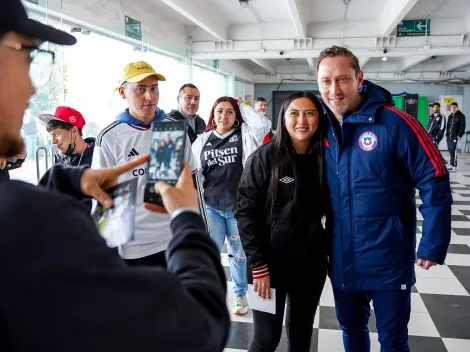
<point x="368" y="141"/>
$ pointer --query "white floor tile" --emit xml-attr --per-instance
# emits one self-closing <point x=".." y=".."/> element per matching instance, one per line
<point x="327" y="299"/>
<point x="458" y="259"/>
<point x="224" y="259"/>
<point x="440" y="286"/>
<point x="233" y="350"/>
<point x="438" y="271"/>
<point x="330" y="340"/>
<point x="460" y="224"/>
<point x="417" y="304"/>
<point x="456" y="345"/>
<point x="421" y="324"/>
<point x="456" y="239"/>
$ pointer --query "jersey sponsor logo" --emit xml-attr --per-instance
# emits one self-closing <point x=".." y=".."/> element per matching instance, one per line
<point x="286" y="180"/>
<point x="221" y="156"/>
<point x="233" y="139"/>
<point x="133" y="153"/>
<point x="368" y="141"/>
<point x="139" y="172"/>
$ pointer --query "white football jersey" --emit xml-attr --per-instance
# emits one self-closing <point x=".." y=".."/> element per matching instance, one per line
<point x="120" y="142"/>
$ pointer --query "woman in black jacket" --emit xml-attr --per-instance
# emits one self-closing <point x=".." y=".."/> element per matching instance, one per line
<point x="280" y="203"/>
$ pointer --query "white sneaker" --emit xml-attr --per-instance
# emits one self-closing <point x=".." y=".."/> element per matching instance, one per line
<point x="241" y="305"/>
<point x="450" y="168"/>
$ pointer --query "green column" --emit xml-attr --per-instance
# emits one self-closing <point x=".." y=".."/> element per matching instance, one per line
<point x="399" y="102"/>
<point x="423" y="111"/>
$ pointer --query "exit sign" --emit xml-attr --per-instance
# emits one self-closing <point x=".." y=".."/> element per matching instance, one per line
<point x="413" y="27"/>
<point x="133" y="28"/>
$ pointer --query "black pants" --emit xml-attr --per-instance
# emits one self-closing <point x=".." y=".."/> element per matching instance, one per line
<point x="436" y="143"/>
<point x="452" y="146"/>
<point x="302" y="295"/>
<point x="157" y="259"/>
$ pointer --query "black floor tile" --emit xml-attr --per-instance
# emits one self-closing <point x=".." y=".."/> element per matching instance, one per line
<point x="465" y="212"/>
<point x="450" y="314"/>
<point x="459" y="249"/>
<point x="414" y="289"/>
<point x="462" y="232"/>
<point x="462" y="202"/>
<point x="328" y="318"/>
<point x="224" y="248"/>
<point x="329" y="321"/>
<point x="462" y="273"/>
<point x="241" y="335"/>
<point x="459" y="218"/>
<point x="426" y="344"/>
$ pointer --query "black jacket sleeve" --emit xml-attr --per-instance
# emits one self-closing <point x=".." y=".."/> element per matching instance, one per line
<point x="69" y="291"/>
<point x="462" y="126"/>
<point x="442" y="128"/>
<point x="64" y="180"/>
<point x="16" y="164"/>
<point x="251" y="198"/>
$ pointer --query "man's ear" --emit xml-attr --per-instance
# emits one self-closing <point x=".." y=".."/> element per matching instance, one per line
<point x="122" y="92"/>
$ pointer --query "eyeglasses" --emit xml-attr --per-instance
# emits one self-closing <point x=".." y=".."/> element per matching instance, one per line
<point x="41" y="65"/>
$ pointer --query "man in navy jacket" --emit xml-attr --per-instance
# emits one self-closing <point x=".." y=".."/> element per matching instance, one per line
<point x="376" y="155"/>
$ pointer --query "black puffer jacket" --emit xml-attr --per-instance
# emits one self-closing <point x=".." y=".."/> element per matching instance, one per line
<point x="293" y="233"/>
<point x="5" y="174"/>
<point x="175" y="115"/>
<point x="77" y="159"/>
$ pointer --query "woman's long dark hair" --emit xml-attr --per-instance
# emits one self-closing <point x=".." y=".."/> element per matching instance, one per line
<point x="283" y="152"/>
<point x="238" y="114"/>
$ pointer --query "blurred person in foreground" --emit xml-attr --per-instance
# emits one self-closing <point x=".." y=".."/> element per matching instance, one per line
<point x="68" y="290"/>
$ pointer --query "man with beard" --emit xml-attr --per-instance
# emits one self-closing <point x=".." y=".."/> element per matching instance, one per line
<point x="62" y="288"/>
<point x="188" y="105"/>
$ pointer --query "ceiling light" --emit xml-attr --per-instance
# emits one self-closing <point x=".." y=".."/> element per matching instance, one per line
<point x="384" y="58"/>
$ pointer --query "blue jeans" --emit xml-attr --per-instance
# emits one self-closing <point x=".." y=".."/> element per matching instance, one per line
<point x="223" y="225"/>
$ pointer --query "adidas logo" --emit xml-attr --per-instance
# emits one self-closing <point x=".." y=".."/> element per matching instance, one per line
<point x="286" y="179"/>
<point x="133" y="153"/>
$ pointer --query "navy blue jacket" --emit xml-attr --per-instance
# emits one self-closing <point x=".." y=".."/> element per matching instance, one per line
<point x="372" y="171"/>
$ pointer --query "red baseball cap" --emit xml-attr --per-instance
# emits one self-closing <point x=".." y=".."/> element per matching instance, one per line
<point x="65" y="114"/>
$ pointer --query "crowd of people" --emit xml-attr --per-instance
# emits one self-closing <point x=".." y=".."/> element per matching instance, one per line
<point x="351" y="157"/>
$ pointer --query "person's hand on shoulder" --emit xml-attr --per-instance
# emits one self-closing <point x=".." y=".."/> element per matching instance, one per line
<point x="239" y="99"/>
<point x="95" y="182"/>
<point x="182" y="195"/>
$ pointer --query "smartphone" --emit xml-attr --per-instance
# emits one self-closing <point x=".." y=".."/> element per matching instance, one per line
<point x="116" y="225"/>
<point x="167" y="148"/>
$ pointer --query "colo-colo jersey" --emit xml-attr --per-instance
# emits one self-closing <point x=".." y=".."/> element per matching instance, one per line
<point x="221" y="160"/>
<point x="124" y="140"/>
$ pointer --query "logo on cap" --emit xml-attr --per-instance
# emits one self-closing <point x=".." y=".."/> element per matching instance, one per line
<point x="72" y="119"/>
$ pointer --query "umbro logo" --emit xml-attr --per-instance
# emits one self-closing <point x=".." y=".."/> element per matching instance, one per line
<point x="133" y="153"/>
<point x="286" y="179"/>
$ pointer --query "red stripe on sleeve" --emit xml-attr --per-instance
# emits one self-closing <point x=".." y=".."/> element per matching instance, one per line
<point x="424" y="140"/>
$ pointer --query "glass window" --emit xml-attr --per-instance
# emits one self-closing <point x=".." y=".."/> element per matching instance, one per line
<point x="212" y="86"/>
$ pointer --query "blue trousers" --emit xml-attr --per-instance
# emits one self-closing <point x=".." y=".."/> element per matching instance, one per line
<point x="392" y="311"/>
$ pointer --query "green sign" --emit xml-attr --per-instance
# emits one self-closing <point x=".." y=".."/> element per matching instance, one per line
<point x="413" y="27"/>
<point x="133" y="28"/>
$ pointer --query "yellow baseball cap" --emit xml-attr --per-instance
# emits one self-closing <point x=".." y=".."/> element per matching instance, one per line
<point x="138" y="71"/>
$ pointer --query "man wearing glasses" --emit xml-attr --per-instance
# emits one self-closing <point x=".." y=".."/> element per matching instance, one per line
<point x="62" y="288"/>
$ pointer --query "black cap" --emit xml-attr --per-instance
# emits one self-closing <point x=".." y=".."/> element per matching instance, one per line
<point x="13" y="17"/>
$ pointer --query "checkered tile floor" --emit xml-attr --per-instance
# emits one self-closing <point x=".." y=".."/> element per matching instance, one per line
<point x="440" y="316"/>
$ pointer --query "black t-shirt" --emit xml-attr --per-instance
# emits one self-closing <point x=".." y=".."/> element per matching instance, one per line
<point x="221" y="161"/>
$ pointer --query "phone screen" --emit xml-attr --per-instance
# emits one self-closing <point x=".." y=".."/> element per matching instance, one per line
<point x="166" y="156"/>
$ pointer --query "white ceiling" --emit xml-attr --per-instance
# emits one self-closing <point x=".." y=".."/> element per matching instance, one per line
<point x="263" y="35"/>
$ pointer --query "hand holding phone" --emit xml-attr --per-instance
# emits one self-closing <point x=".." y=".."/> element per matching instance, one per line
<point x="166" y="157"/>
<point x="182" y="195"/>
